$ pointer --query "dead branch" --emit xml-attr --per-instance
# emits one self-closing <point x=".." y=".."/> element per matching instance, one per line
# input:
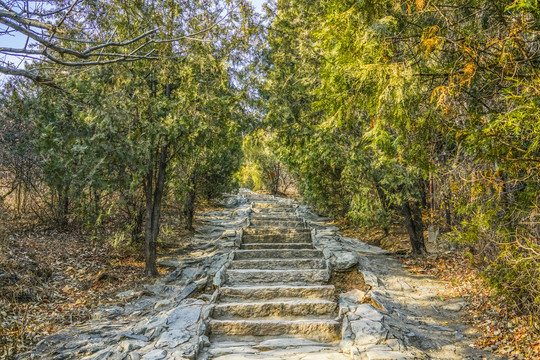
<point x="43" y="26"/>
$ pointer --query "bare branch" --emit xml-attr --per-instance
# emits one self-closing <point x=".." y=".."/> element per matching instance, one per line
<point x="42" y="26"/>
<point x="119" y="58"/>
<point x="122" y="44"/>
<point x="24" y="73"/>
<point x="20" y="51"/>
<point x="38" y="38"/>
<point x="26" y="21"/>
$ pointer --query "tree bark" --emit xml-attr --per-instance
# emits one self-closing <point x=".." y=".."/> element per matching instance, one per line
<point x="189" y="203"/>
<point x="63" y="206"/>
<point x="415" y="227"/>
<point x="154" y="196"/>
<point x="137" y="220"/>
<point x="448" y="211"/>
<point x="423" y="192"/>
<point x="385" y="204"/>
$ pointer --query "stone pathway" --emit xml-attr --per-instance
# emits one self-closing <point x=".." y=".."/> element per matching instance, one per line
<point x="163" y="320"/>
<point x="401" y="316"/>
<point x="253" y="284"/>
<point x="275" y="302"/>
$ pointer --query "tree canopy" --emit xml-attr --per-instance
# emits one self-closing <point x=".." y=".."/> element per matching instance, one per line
<point x="382" y="112"/>
<point x="417" y="111"/>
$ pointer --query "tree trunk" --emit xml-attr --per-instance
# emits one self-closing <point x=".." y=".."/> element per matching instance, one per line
<point x="423" y="192"/>
<point x="63" y="206"/>
<point x="154" y="196"/>
<point x="385" y="205"/>
<point x="19" y="200"/>
<point x="448" y="211"/>
<point x="97" y="200"/>
<point x="431" y="199"/>
<point x="137" y="224"/>
<point x="415" y="227"/>
<point x="189" y="203"/>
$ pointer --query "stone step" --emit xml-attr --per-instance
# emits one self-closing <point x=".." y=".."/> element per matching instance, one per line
<point x="276" y="308"/>
<point x="311" y="329"/>
<point x="256" y="231"/>
<point x="252" y="246"/>
<point x="273" y="205"/>
<point x="259" y="197"/>
<point x="303" y="276"/>
<point x="277" y="238"/>
<point x="269" y="210"/>
<point x="277" y="254"/>
<point x="267" y="219"/>
<point x="225" y="345"/>
<point x="274" y="216"/>
<point x="278" y="264"/>
<point x="277" y="291"/>
<point x="276" y="224"/>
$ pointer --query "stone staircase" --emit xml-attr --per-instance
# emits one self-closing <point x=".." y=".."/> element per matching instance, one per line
<point x="276" y="285"/>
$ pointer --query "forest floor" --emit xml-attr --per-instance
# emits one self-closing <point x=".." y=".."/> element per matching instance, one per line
<point x="51" y="278"/>
<point x="502" y="330"/>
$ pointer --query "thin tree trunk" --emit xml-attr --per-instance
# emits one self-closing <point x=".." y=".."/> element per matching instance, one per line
<point x="63" y="205"/>
<point x="418" y="225"/>
<point x="432" y="198"/>
<point x="448" y="211"/>
<point x="137" y="220"/>
<point x="97" y="200"/>
<point x="154" y="196"/>
<point x="423" y="192"/>
<point x="415" y="227"/>
<point x="385" y="204"/>
<point x="18" y="200"/>
<point x="189" y="204"/>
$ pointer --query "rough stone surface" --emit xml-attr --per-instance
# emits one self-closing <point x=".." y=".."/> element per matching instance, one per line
<point x="183" y="316"/>
<point x="161" y="321"/>
<point x="155" y="355"/>
<point x="172" y="338"/>
<point x="273" y="299"/>
<point x="287" y="311"/>
<point x="401" y="316"/>
<point x="343" y="260"/>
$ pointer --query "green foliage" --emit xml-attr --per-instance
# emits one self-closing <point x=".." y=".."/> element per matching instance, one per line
<point x="370" y="101"/>
<point x="364" y="103"/>
<point x="99" y="138"/>
<point x="260" y="170"/>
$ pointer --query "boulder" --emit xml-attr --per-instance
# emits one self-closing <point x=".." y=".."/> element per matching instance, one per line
<point x="343" y="260"/>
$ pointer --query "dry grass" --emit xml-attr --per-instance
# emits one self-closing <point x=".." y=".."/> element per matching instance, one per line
<point x="396" y="240"/>
<point x="51" y="279"/>
<point x="504" y="331"/>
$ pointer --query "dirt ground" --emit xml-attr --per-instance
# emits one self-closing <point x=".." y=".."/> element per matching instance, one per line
<point x="54" y="278"/>
<point x="51" y="279"/>
<point x="499" y="328"/>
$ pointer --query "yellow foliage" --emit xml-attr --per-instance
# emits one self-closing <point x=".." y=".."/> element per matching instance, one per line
<point x="440" y="93"/>
<point x="249" y="177"/>
<point x="420" y="5"/>
<point x="468" y="73"/>
<point x="430" y="40"/>
<point x="430" y="44"/>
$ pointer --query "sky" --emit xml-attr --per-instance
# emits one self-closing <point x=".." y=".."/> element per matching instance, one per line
<point x="258" y="4"/>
